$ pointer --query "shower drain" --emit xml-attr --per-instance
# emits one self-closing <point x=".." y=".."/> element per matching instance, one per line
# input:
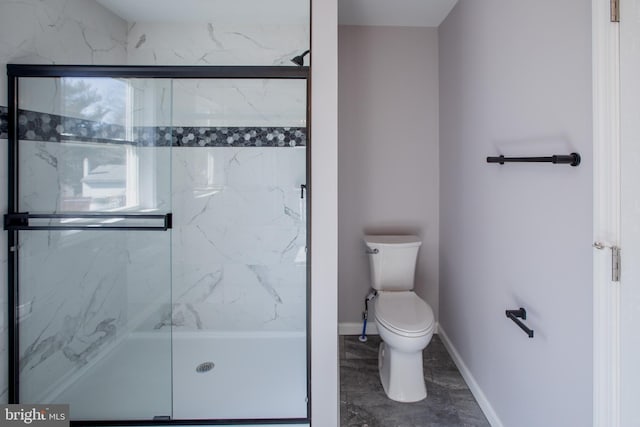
<point x="204" y="367"/>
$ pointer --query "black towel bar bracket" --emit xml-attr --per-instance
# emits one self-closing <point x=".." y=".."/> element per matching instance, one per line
<point x="522" y="314"/>
<point x="572" y="159"/>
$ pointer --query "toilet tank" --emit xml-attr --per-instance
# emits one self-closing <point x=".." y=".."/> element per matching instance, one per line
<point x="393" y="261"/>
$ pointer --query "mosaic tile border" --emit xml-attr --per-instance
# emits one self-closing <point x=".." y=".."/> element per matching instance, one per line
<point x="35" y="126"/>
<point x="221" y="136"/>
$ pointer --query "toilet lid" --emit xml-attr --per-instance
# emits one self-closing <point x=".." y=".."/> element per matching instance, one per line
<point x="403" y="312"/>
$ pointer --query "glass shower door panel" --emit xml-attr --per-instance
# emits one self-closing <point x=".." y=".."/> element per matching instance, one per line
<point x="85" y="340"/>
<point x="240" y="261"/>
<point x="94" y="252"/>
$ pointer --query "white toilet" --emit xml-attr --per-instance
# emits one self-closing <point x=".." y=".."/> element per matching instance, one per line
<point x="405" y="322"/>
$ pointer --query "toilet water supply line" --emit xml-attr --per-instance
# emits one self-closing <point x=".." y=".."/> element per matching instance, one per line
<point x="365" y="314"/>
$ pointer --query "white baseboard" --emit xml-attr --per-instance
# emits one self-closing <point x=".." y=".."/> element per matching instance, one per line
<point x="486" y="407"/>
<point x="353" y="328"/>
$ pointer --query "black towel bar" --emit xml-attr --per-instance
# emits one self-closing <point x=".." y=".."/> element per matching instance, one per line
<point x="572" y="159"/>
<point x="522" y="314"/>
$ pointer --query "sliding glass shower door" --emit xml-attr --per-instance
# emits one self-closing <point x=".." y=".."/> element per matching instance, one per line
<point x="94" y="250"/>
<point x="239" y="249"/>
<point x="158" y="244"/>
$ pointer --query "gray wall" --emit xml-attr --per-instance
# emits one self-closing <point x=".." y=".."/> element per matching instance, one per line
<point x="515" y="79"/>
<point x="388" y="152"/>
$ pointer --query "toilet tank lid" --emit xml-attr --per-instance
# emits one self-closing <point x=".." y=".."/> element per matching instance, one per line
<point x="396" y="240"/>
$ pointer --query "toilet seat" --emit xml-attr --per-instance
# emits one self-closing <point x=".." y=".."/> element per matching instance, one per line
<point x="404" y="313"/>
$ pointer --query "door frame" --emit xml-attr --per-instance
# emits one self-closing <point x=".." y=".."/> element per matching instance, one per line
<point x="606" y="214"/>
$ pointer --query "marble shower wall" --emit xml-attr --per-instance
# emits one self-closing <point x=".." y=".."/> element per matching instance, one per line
<point x="219" y="103"/>
<point x="239" y="242"/>
<point x="238" y="103"/>
<point x="59" y="32"/>
<point x="216" y="43"/>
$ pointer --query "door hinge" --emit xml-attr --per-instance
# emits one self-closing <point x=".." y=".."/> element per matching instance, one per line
<point x="615" y="10"/>
<point x="615" y="259"/>
<point x="615" y="264"/>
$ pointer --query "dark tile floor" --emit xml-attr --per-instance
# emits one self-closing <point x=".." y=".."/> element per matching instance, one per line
<point x="364" y="404"/>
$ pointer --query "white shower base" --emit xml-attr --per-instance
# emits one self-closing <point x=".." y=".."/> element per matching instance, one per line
<point x="256" y="375"/>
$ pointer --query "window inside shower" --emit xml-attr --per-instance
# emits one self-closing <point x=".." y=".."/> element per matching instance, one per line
<point x="159" y="234"/>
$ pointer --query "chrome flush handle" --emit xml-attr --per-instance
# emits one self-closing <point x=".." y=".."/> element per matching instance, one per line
<point x="372" y="251"/>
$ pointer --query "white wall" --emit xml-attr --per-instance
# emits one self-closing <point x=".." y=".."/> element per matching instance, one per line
<point x="629" y="339"/>
<point x="388" y="156"/>
<point x="324" y="214"/>
<point x="515" y="79"/>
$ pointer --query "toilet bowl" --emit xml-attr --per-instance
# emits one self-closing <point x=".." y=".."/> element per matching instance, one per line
<point x="405" y="322"/>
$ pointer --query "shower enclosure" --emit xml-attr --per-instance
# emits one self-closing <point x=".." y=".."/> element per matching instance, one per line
<point x="158" y="264"/>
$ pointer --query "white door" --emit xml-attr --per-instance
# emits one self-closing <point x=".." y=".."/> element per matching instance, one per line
<point x="630" y="218"/>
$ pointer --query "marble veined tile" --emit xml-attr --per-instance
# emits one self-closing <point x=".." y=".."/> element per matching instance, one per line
<point x="214" y="43"/>
<point x="40" y="180"/>
<point x="246" y="102"/>
<point x="239" y="239"/>
<point x="76" y="308"/>
<point x="243" y="297"/>
<point x="59" y="32"/>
